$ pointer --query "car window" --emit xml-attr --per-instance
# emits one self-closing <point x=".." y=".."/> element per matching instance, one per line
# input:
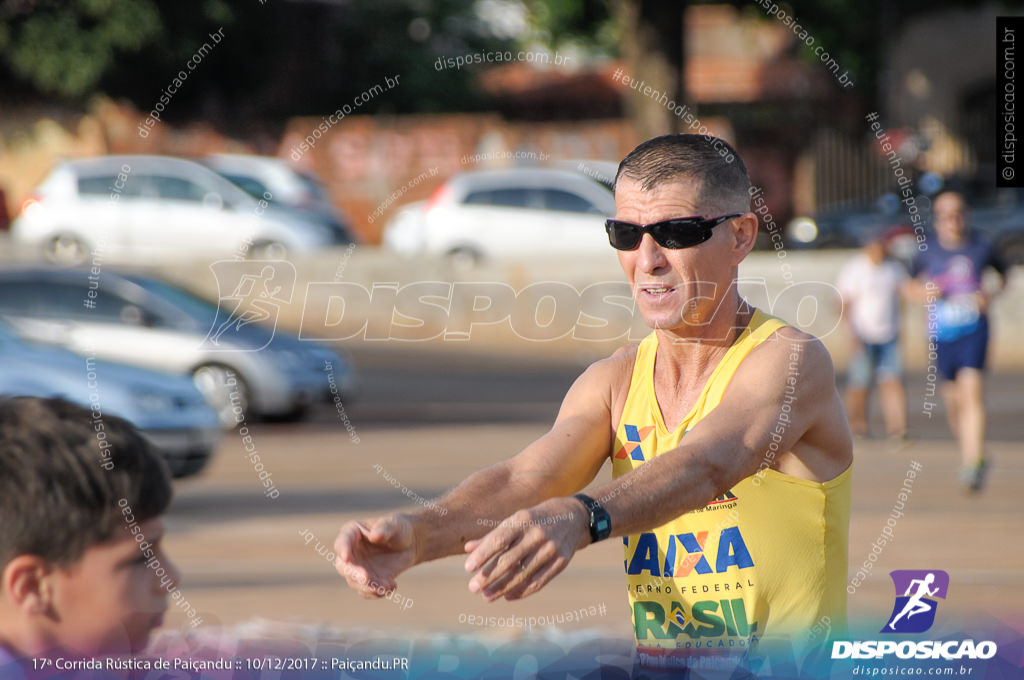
<point x="21" y="297"/>
<point x="68" y="300"/>
<point x="506" y="198"/>
<point x="313" y="186"/>
<point x="49" y="299"/>
<point x="178" y="189"/>
<point x="183" y="302"/>
<point x="557" y="199"/>
<point x="249" y="185"/>
<point x="111" y="185"/>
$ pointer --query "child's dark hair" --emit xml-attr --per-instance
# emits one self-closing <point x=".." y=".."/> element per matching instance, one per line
<point x="63" y="471"/>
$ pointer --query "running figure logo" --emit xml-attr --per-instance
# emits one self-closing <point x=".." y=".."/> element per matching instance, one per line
<point x="251" y="293"/>
<point x="914" y="611"/>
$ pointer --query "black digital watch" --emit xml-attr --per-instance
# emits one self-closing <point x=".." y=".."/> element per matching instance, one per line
<point x="600" y="520"/>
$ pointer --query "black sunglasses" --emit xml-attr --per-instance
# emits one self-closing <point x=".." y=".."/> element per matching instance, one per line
<point x="681" y="232"/>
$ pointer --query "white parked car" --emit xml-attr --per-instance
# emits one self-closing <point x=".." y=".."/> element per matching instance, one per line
<point x="155" y="206"/>
<point x="283" y="186"/>
<point x="502" y="213"/>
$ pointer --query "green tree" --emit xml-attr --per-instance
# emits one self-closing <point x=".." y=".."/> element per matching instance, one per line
<point x="64" y="47"/>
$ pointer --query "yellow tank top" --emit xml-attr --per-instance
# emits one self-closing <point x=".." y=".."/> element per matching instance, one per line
<point x="767" y="557"/>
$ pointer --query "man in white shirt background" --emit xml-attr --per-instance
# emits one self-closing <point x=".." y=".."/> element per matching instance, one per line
<point x="871" y="285"/>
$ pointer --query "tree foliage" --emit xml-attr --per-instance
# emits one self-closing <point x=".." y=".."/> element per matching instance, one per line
<point x="64" y="47"/>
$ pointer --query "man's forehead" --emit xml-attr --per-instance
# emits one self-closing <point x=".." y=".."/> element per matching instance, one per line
<point x="683" y="183"/>
<point x="671" y="195"/>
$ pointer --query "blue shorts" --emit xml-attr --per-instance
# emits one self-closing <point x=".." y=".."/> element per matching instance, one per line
<point x="883" y="360"/>
<point x="967" y="351"/>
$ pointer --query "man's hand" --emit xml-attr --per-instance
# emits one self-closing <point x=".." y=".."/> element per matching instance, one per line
<point x="371" y="555"/>
<point x="528" y="549"/>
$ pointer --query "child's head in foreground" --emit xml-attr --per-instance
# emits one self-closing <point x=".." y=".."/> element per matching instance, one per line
<point x="80" y="506"/>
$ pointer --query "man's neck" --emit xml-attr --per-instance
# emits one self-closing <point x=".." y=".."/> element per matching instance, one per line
<point x="689" y="353"/>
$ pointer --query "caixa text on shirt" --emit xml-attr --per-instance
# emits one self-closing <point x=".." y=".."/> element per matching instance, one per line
<point x="684" y="554"/>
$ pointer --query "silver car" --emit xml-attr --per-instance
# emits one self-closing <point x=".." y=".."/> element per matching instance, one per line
<point x="155" y="207"/>
<point x="166" y="408"/>
<point x="147" y="322"/>
<point x="507" y="213"/>
<point x="283" y="186"/>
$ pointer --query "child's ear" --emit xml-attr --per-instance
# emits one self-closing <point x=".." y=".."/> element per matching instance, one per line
<point x="26" y="584"/>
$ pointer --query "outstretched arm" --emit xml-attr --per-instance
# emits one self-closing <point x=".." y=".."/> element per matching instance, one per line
<point x="731" y="443"/>
<point x="371" y="554"/>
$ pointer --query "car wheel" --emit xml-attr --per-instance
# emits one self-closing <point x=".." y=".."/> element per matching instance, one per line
<point x="269" y="250"/>
<point x="225" y="391"/>
<point x="464" y="257"/>
<point x="65" y="249"/>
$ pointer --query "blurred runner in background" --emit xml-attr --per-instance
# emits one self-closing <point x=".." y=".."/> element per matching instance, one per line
<point x="949" y="275"/>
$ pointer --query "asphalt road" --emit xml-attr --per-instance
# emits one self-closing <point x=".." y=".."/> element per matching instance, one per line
<point x="251" y="563"/>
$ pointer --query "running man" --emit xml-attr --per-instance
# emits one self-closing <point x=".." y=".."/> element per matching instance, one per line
<point x="730" y="449"/>
<point x="949" y="275"/>
<point x="915" y="605"/>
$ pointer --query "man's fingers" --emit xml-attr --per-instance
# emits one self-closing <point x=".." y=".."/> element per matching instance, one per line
<point x="511" y="573"/>
<point x="360" y="579"/>
<point x="347" y="539"/>
<point x="490" y="546"/>
<point x="529" y="567"/>
<point x="537" y="580"/>
<point x="357" y="577"/>
<point x="383" y="532"/>
<point x="354" y="540"/>
<point x="502" y="570"/>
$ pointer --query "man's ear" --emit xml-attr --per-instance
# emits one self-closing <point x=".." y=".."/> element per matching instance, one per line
<point x="743" y="230"/>
<point x="26" y="584"/>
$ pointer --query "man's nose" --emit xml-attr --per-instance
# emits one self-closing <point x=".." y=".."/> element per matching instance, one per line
<point x="650" y="256"/>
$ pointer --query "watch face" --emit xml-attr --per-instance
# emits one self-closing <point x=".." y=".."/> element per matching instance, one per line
<point x="602" y="527"/>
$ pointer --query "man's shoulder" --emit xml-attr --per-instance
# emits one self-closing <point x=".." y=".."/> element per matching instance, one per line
<point x="615" y="368"/>
<point x="794" y="350"/>
<point x="620" y="360"/>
